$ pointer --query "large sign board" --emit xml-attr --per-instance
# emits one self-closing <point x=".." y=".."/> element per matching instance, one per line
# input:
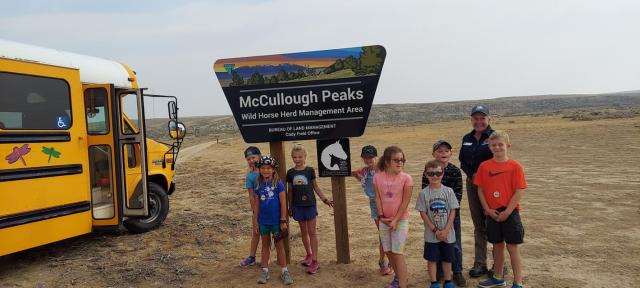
<point x="334" y="157"/>
<point x="323" y="94"/>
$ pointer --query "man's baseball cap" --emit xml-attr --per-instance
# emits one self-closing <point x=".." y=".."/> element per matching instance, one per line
<point x="480" y="109"/>
<point x="440" y="143"/>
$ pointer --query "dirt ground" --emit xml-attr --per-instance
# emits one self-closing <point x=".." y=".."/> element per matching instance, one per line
<point x="580" y="213"/>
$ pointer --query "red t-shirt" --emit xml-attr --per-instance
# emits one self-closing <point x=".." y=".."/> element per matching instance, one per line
<point x="499" y="181"/>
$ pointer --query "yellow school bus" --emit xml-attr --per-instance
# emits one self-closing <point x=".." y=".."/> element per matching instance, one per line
<point x="74" y="157"/>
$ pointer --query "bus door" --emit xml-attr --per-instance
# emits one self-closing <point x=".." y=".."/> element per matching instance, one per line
<point x="102" y="160"/>
<point x="132" y="152"/>
<point x="117" y="156"/>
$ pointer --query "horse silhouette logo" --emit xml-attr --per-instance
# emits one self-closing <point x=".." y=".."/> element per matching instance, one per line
<point x="331" y="156"/>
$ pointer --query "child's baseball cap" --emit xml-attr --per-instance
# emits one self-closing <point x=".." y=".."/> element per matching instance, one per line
<point x="266" y="160"/>
<point x="369" y="152"/>
<point x="440" y="143"/>
<point x="480" y="109"/>
<point x="251" y="151"/>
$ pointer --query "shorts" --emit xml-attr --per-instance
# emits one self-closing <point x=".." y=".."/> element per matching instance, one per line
<point x="441" y="251"/>
<point x="269" y="229"/>
<point x="374" y="210"/>
<point x="510" y="231"/>
<point x="304" y="213"/>
<point x="393" y="241"/>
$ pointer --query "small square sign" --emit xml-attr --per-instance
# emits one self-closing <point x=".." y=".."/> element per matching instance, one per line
<point x="334" y="157"/>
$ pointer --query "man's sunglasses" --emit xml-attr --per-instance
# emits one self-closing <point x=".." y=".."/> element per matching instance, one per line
<point x="432" y="174"/>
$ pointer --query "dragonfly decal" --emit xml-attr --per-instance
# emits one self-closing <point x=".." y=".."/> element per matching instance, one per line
<point x="18" y="154"/>
<point x="51" y="151"/>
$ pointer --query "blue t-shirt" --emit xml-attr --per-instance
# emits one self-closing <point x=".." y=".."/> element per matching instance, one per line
<point x="251" y="182"/>
<point x="367" y="182"/>
<point x="269" y="203"/>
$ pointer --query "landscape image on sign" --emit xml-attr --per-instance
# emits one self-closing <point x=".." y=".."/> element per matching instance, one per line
<point x="296" y="67"/>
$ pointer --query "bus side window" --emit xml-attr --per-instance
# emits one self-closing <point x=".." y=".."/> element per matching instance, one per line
<point x="101" y="182"/>
<point x="131" y="156"/>
<point x="97" y="110"/>
<point x="30" y="102"/>
<point x="130" y="110"/>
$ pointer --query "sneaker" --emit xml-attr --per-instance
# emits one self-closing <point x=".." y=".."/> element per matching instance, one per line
<point x="250" y="260"/>
<point x="385" y="269"/>
<point x="492" y="282"/>
<point x="395" y="283"/>
<point x="435" y="285"/>
<point x="307" y="261"/>
<point x="264" y="276"/>
<point x="477" y="270"/>
<point x="449" y="285"/>
<point x="313" y="268"/>
<point x="459" y="280"/>
<point x="286" y="278"/>
<point x="516" y="285"/>
<point x="505" y="271"/>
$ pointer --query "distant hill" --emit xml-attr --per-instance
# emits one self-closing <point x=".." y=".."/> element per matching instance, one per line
<point x="383" y="114"/>
<point x="506" y="106"/>
<point x="247" y="71"/>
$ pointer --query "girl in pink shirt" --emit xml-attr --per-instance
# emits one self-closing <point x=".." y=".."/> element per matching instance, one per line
<point x="392" y="194"/>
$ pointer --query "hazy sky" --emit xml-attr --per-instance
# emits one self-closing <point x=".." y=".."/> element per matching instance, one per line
<point x="436" y="50"/>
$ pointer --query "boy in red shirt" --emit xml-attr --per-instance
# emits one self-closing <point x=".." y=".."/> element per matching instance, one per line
<point x="501" y="183"/>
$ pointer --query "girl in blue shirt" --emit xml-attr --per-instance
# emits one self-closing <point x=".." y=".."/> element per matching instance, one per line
<point x="271" y="217"/>
<point x="252" y="155"/>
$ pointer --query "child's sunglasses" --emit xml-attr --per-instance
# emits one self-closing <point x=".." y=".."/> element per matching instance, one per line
<point x="432" y="174"/>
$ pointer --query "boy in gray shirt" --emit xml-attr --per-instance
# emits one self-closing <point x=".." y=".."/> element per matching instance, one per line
<point x="437" y="205"/>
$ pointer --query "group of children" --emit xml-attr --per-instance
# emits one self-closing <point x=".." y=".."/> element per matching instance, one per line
<point x="501" y="182"/>
<point x="272" y="203"/>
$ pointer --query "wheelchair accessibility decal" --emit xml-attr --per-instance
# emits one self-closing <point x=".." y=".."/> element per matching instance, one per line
<point x="62" y="122"/>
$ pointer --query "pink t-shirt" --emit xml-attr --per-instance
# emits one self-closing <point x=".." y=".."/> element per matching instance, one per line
<point x="390" y="188"/>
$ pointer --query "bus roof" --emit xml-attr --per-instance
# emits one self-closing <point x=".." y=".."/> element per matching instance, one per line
<point x="93" y="70"/>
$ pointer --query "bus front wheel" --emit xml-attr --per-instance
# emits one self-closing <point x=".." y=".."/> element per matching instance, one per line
<point x="158" y="210"/>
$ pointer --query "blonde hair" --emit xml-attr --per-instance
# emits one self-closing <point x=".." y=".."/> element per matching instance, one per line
<point x="274" y="177"/>
<point x="500" y="134"/>
<point x="299" y="148"/>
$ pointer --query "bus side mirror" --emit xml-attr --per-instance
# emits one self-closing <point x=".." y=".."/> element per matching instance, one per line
<point x="176" y="129"/>
<point x="173" y="110"/>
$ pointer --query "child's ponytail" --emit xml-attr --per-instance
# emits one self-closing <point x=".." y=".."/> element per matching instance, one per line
<point x="386" y="157"/>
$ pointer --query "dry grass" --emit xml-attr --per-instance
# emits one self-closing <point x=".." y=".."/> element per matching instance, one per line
<point x="580" y="212"/>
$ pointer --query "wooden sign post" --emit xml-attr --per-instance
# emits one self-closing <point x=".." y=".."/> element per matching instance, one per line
<point x="334" y="160"/>
<point x="338" y="192"/>
<point x="277" y="152"/>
